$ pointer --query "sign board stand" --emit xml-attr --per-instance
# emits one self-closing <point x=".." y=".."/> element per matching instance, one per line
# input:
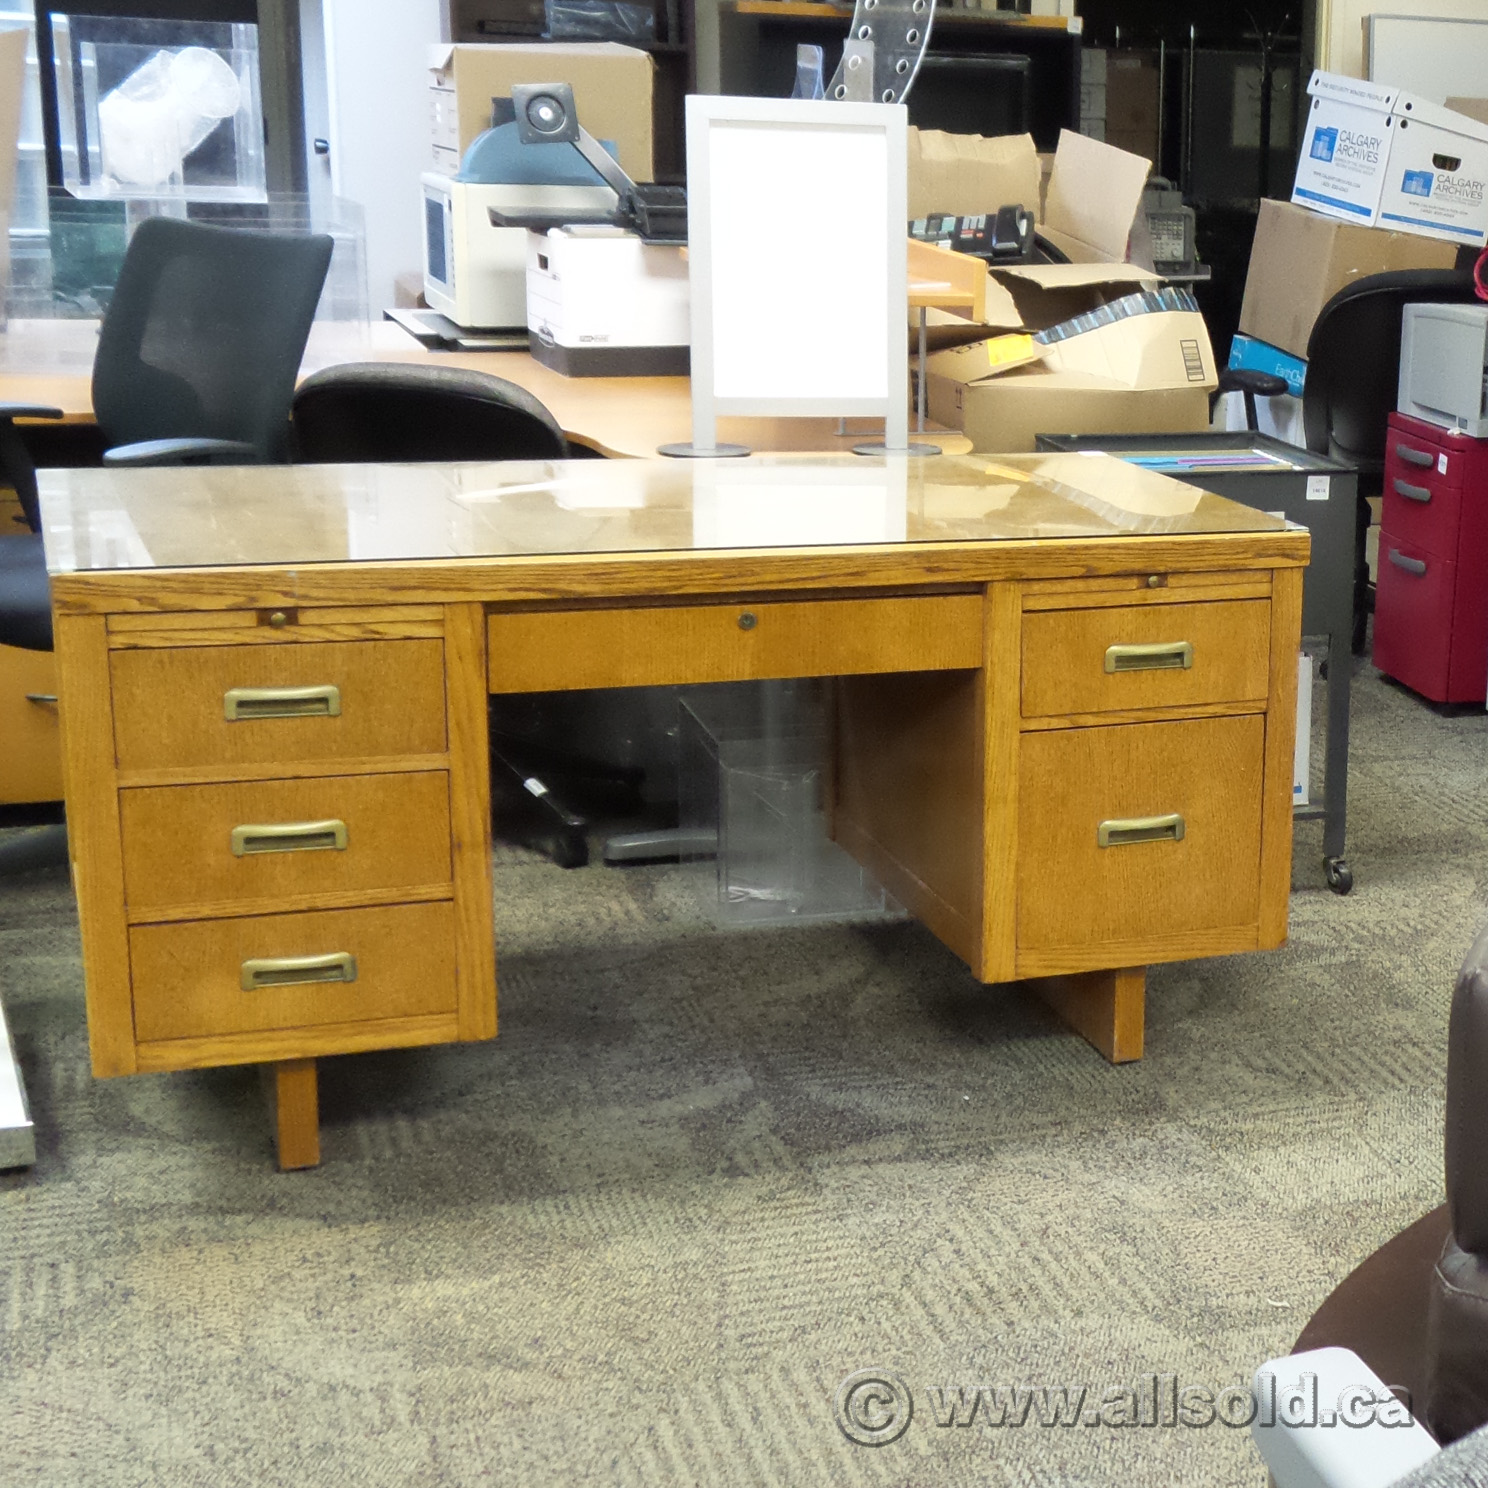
<point x="797" y="256"/>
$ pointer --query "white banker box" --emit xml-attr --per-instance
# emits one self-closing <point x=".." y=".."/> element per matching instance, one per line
<point x="601" y="303"/>
<point x="1381" y="157"/>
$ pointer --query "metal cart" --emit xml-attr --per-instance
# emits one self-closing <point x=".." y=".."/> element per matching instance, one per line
<point x="1315" y="492"/>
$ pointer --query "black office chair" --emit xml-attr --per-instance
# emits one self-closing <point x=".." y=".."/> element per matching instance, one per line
<point x="1353" y="375"/>
<point x="390" y="412"/>
<point x="395" y="412"/>
<point x="196" y="363"/>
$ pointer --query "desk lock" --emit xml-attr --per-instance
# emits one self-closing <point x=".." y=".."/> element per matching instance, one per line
<point x="1165" y="656"/>
<point x="292" y="971"/>
<point x="274" y="837"/>
<point x="748" y="620"/>
<point x="1128" y="831"/>
<point x="239" y="704"/>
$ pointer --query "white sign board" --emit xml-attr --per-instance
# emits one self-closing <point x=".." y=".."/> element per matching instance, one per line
<point x="796" y="220"/>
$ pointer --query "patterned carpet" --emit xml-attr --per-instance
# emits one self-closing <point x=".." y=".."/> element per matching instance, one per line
<point x="702" y="1178"/>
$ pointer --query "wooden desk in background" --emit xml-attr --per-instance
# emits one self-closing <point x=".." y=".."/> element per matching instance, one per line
<point x="1064" y="718"/>
<point x="51" y="362"/>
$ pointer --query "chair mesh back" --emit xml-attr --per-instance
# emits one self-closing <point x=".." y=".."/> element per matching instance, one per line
<point x="392" y="412"/>
<point x="205" y="332"/>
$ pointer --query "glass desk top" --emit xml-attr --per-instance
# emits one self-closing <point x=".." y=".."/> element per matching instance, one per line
<point x="207" y="517"/>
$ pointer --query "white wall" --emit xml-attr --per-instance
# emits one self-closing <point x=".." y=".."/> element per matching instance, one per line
<point x="367" y="93"/>
<point x="1341" y="26"/>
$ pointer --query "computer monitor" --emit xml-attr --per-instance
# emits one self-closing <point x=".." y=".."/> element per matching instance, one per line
<point x="973" y="93"/>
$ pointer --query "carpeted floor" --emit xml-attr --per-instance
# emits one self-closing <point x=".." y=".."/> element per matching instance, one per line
<point x="700" y="1179"/>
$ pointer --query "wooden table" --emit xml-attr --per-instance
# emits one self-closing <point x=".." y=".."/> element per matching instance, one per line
<point x="1064" y="718"/>
<point x="51" y="362"/>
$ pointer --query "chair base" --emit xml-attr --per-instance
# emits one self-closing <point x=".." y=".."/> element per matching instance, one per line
<point x="1379" y="1310"/>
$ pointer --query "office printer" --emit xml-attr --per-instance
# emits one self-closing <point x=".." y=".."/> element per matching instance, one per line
<point x="475" y="273"/>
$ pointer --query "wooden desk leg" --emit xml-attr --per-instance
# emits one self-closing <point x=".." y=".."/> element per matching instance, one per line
<point x="296" y="1108"/>
<point x="1106" y="1008"/>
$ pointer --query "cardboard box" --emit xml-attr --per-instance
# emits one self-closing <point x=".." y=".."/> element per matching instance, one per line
<point x="1094" y="195"/>
<point x="965" y="175"/>
<point x="12" y="91"/>
<point x="1437" y="182"/>
<point x="1301" y="260"/>
<point x="1377" y="155"/>
<point x="1248" y="354"/>
<point x="1149" y="373"/>
<point x="1087" y="197"/>
<point x="612" y="90"/>
<point x="601" y="303"/>
<point x="1008" y="415"/>
<point x="1473" y="108"/>
<point x="1133" y="102"/>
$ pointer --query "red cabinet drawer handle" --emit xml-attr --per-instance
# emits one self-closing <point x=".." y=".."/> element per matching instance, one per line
<point x="1410" y="492"/>
<point x="1410" y="565"/>
<point x="1415" y="456"/>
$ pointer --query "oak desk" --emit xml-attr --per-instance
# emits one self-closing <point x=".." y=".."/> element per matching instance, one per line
<point x="51" y="362"/>
<point x="1064" y="720"/>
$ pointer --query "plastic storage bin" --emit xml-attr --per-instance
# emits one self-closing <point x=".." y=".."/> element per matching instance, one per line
<point x="752" y="779"/>
<point x="159" y="110"/>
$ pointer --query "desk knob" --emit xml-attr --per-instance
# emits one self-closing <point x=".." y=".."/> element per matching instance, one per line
<point x="747" y="621"/>
<point x="1155" y="581"/>
<point x="278" y="619"/>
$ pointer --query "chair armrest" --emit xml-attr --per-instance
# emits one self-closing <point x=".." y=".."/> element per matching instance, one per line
<point x="29" y="410"/>
<point x="1252" y="380"/>
<point x="1324" y="1419"/>
<point x="184" y="452"/>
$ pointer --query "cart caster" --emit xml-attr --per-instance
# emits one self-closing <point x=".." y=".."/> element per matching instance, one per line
<point x="1340" y="875"/>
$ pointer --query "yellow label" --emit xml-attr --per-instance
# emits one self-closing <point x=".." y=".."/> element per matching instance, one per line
<point x="1004" y="350"/>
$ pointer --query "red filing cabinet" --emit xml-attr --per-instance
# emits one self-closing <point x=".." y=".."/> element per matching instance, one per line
<point x="1431" y="594"/>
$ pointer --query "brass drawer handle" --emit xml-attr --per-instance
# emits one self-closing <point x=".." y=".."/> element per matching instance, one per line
<point x="271" y="837"/>
<point x="1133" y="829"/>
<point x="290" y="971"/>
<point x="1410" y="492"/>
<point x="242" y="703"/>
<point x="1415" y="456"/>
<point x="1165" y="656"/>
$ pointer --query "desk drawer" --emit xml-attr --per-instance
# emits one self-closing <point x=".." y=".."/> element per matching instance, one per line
<point x="1421" y="451"/>
<point x="1139" y="833"/>
<point x="538" y="650"/>
<point x="1145" y="656"/>
<point x="1421" y="505"/>
<point x="1414" y="602"/>
<point x="211" y="845"/>
<point x="356" y="965"/>
<point x="294" y="703"/>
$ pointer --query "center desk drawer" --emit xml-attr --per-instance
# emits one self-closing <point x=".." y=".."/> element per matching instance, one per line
<point x="199" y="845"/>
<point x="202" y="706"/>
<point x="542" y="650"/>
<point x="344" y="966"/>
<point x="1145" y="656"/>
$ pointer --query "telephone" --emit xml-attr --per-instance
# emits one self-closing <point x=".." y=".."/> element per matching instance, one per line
<point x="1004" y="236"/>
